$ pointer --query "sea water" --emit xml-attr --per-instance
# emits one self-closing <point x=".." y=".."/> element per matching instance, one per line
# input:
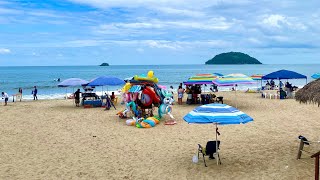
<point x="44" y="77"/>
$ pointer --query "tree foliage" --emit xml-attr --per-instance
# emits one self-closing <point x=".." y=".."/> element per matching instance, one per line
<point x="233" y="58"/>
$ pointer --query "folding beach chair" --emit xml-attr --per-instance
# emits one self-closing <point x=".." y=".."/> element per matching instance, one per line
<point x="209" y="151"/>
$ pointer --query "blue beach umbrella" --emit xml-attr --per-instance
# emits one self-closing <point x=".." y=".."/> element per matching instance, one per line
<point x="316" y="76"/>
<point x="72" y="82"/>
<point x="222" y="114"/>
<point x="106" y="80"/>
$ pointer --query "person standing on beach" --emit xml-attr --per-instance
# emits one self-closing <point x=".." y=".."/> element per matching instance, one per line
<point x="180" y="95"/>
<point x="35" y="92"/>
<point x="77" y="97"/>
<point x="5" y="96"/>
<point x="20" y="93"/>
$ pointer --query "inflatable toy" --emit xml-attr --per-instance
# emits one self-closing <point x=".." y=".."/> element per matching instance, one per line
<point x="150" y="77"/>
<point x="131" y="122"/>
<point x="126" y="87"/>
<point x="166" y="107"/>
<point x="130" y="106"/>
<point x="148" y="122"/>
<point x="149" y="96"/>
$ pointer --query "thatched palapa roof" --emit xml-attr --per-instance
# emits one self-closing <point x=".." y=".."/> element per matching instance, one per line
<point x="309" y="93"/>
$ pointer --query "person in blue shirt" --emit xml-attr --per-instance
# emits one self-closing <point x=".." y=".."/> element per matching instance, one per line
<point x="35" y="92"/>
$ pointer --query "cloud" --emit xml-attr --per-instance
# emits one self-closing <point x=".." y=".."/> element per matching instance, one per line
<point x="212" y="24"/>
<point x="281" y="21"/>
<point x="5" y="51"/>
<point x="180" y="12"/>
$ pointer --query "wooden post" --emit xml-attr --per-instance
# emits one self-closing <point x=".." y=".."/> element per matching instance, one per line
<point x="316" y="165"/>
<point x="300" y="149"/>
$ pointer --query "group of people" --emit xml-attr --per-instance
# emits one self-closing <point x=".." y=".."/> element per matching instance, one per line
<point x="34" y="93"/>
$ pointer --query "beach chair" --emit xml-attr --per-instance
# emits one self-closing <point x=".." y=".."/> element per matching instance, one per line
<point x="220" y="99"/>
<point x="208" y="151"/>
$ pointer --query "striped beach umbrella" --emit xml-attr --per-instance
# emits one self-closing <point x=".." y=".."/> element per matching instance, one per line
<point x="316" y="76"/>
<point x="233" y="79"/>
<point x="201" y="79"/>
<point x="221" y="114"/>
<point x="257" y="76"/>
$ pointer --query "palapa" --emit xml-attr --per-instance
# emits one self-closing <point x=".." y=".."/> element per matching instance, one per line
<point x="310" y="93"/>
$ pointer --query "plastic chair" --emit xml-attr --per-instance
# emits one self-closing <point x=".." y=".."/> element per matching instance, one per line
<point x="209" y="151"/>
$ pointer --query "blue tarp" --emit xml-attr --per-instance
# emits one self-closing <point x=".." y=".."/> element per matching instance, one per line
<point x="284" y="74"/>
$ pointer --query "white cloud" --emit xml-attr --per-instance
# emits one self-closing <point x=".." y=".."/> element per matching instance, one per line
<point x="274" y="20"/>
<point x="280" y="21"/>
<point x="181" y="12"/>
<point x="5" y="51"/>
<point x="216" y="24"/>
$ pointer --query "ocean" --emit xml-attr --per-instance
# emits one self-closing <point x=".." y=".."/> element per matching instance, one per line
<point x="11" y="78"/>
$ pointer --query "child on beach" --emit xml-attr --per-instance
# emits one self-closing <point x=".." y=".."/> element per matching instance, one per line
<point x="5" y="96"/>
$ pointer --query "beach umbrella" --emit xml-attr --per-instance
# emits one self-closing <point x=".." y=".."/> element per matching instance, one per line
<point x="201" y="79"/>
<point x="218" y="74"/>
<point x="233" y="80"/>
<point x="106" y="80"/>
<point x="257" y="77"/>
<point x="316" y="76"/>
<point x="72" y="82"/>
<point x="221" y="114"/>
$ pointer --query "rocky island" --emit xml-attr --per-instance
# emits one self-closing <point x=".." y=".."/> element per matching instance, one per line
<point x="233" y="58"/>
<point x="104" y="64"/>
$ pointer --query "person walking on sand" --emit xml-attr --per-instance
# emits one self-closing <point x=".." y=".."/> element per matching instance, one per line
<point x="5" y="96"/>
<point x="35" y="92"/>
<point x="77" y="97"/>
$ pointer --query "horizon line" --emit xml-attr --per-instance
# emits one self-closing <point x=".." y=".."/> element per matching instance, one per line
<point x="155" y="65"/>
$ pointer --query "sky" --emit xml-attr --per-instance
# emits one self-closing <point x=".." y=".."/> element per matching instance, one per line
<point x="128" y="32"/>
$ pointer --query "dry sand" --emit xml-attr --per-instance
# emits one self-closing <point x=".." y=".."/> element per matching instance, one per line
<point x="55" y="140"/>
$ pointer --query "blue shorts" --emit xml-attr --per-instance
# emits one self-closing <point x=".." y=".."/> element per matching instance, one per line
<point x="6" y="99"/>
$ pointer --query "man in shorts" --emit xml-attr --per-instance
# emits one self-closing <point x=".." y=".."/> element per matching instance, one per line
<point x="77" y="97"/>
<point x="5" y="96"/>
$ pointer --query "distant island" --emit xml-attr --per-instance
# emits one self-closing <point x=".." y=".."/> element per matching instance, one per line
<point x="233" y="58"/>
<point x="104" y="64"/>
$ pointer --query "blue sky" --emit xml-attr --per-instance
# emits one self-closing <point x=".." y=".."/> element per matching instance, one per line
<point x="89" y="32"/>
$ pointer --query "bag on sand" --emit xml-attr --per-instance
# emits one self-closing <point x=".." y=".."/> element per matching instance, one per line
<point x="195" y="158"/>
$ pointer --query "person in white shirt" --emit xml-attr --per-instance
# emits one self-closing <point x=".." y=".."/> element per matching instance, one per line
<point x="5" y="96"/>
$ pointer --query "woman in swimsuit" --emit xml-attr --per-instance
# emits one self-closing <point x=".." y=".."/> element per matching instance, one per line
<point x="180" y="95"/>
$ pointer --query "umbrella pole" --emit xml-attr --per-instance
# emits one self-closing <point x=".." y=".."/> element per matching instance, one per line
<point x="73" y="95"/>
<point x="235" y="91"/>
<point x="217" y="145"/>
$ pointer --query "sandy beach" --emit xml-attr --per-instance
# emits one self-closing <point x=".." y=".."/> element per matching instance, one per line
<point x="53" y="139"/>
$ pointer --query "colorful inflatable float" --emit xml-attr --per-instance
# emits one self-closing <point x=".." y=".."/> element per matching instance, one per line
<point x="141" y="95"/>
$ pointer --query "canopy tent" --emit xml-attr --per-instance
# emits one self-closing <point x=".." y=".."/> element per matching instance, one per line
<point x="284" y="74"/>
